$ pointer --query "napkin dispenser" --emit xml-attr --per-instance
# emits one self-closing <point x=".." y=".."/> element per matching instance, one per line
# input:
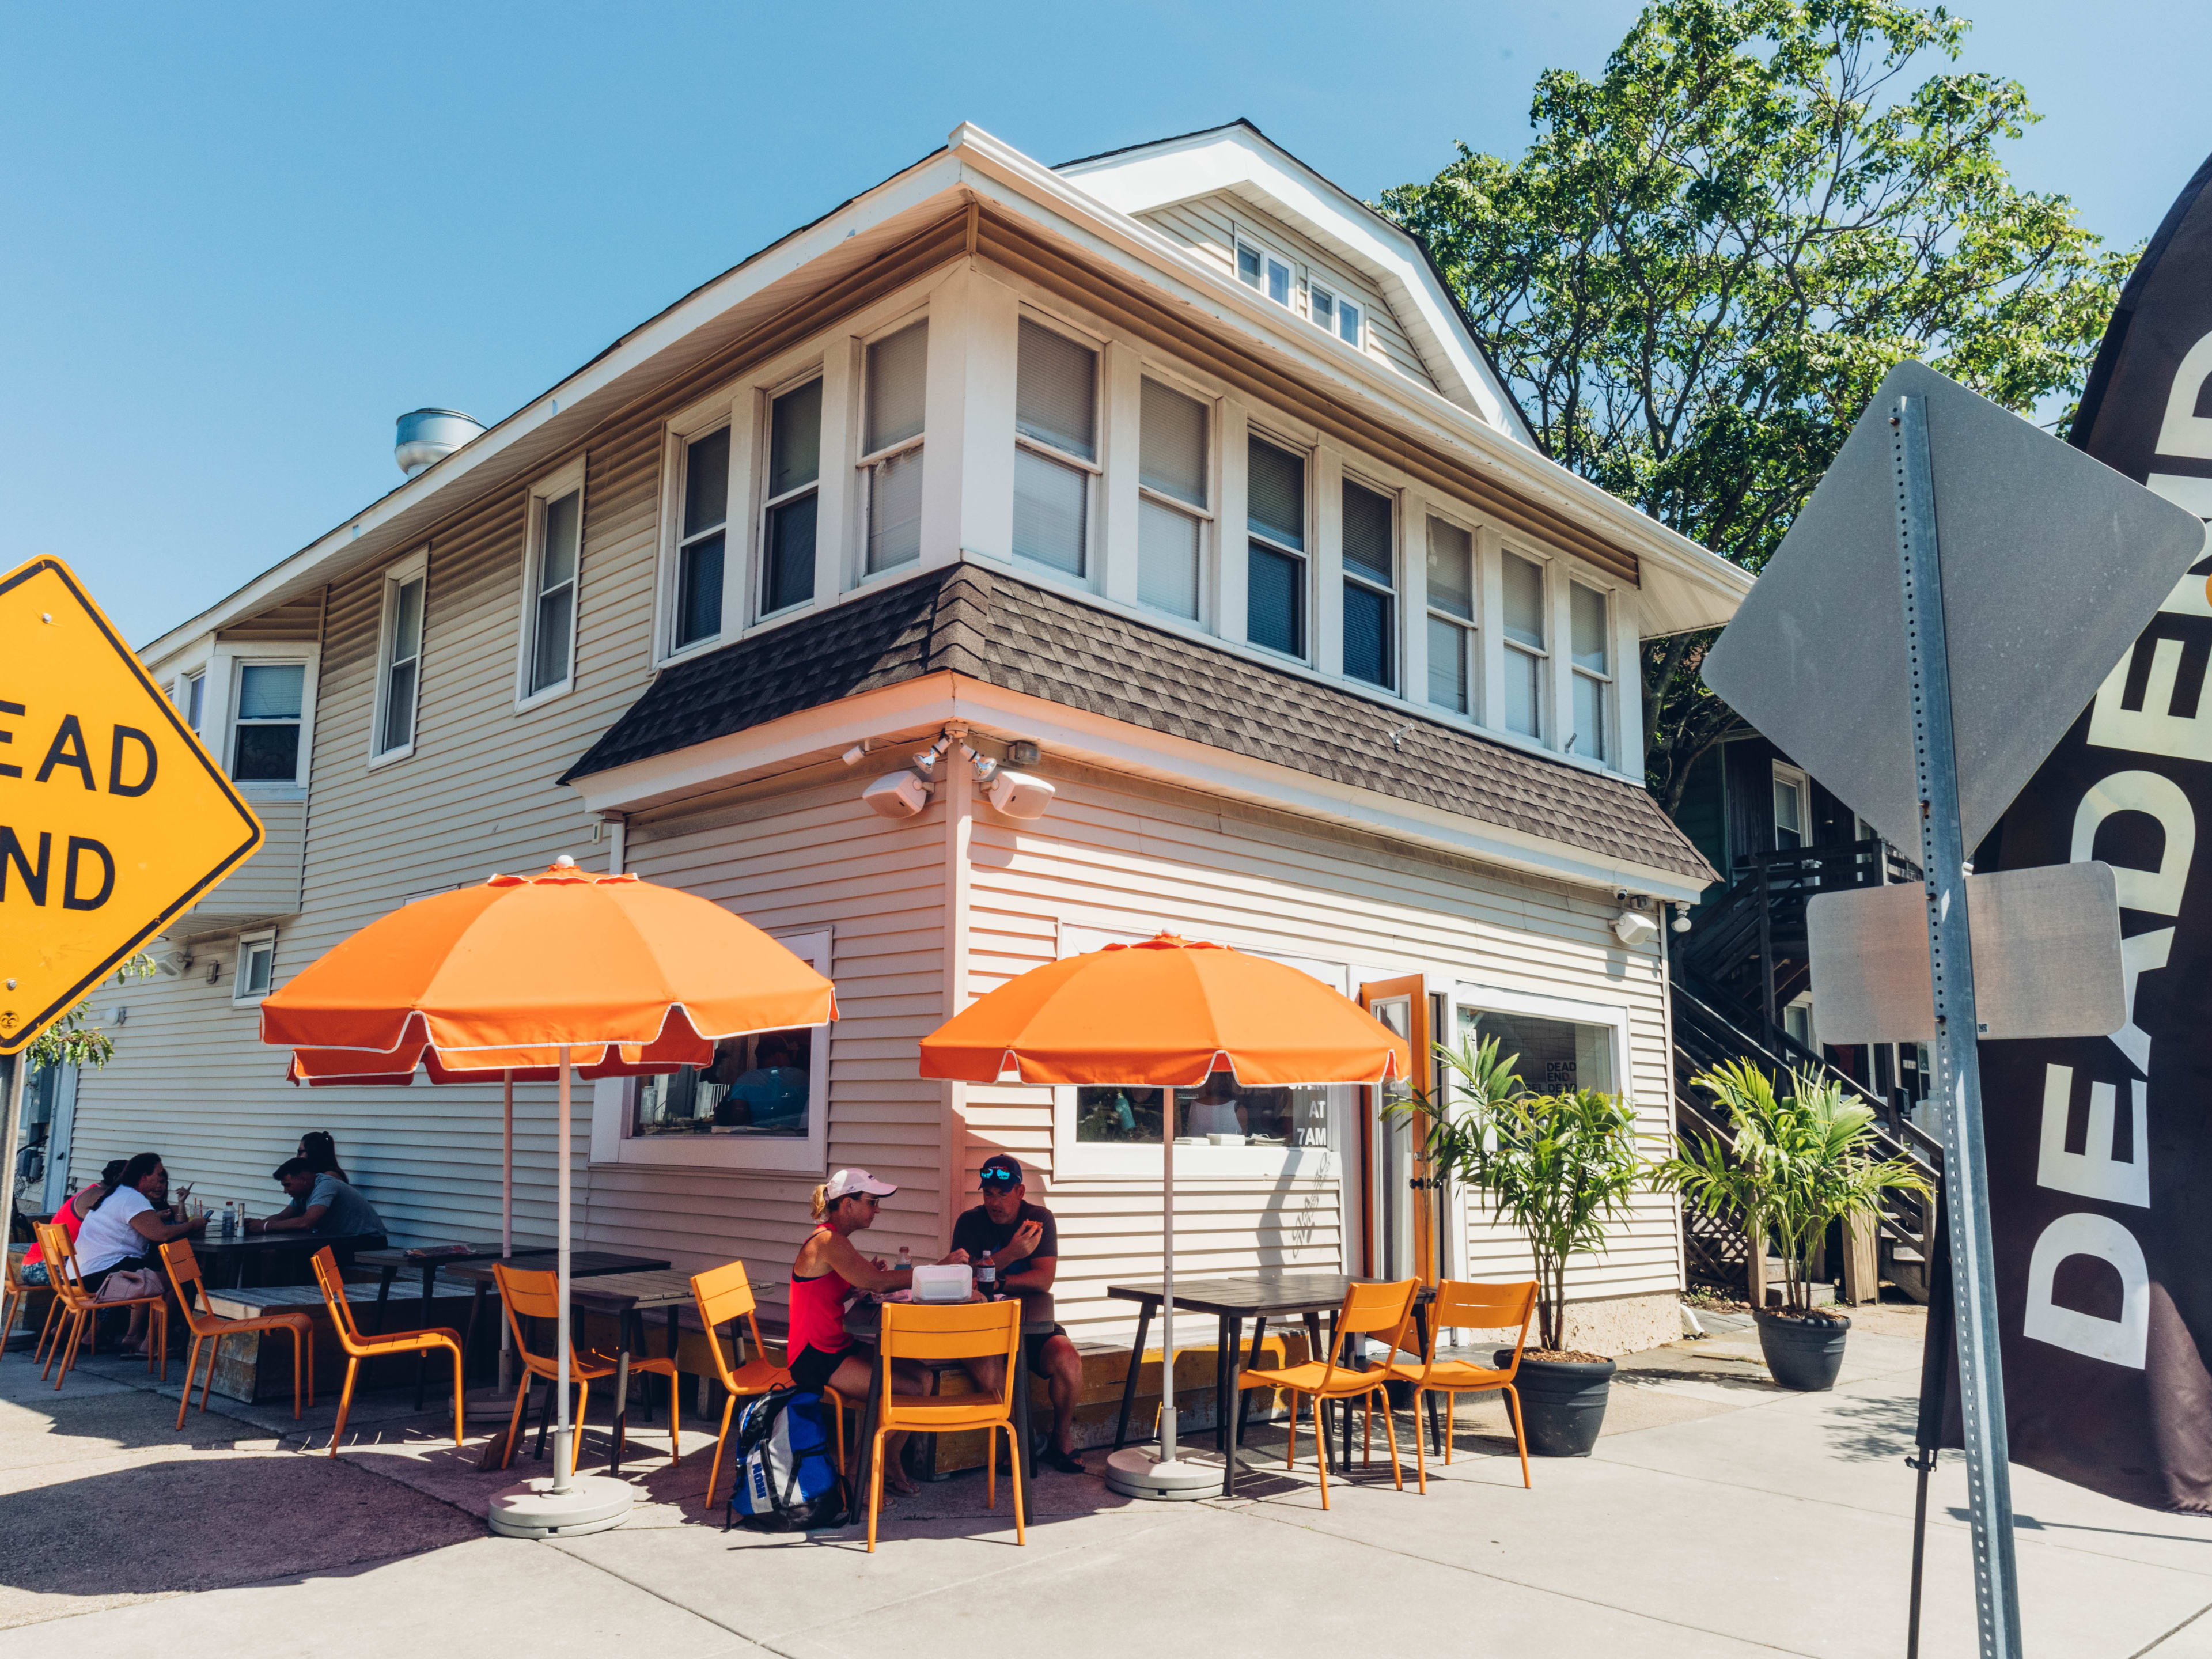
<point x="948" y="1284"/>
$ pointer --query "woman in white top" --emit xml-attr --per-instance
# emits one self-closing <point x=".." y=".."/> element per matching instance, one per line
<point x="124" y="1228"/>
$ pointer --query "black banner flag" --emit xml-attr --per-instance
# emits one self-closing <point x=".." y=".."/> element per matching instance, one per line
<point x="2100" y="1148"/>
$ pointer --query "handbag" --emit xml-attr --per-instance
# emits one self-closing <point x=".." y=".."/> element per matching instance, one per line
<point x="128" y="1284"/>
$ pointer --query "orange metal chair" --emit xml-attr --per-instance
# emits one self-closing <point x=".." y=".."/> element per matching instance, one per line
<point x="1476" y="1307"/>
<point x="81" y="1309"/>
<point x="535" y="1294"/>
<point x="970" y="1330"/>
<point x="723" y="1294"/>
<point x="359" y="1347"/>
<point x="18" y="1293"/>
<point x="1368" y="1309"/>
<point x="211" y="1327"/>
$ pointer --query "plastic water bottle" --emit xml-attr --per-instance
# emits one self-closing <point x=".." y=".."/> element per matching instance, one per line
<point x="986" y="1280"/>
<point x="906" y="1259"/>
<point x="229" y="1219"/>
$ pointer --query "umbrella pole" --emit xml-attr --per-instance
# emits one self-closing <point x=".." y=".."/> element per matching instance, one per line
<point x="507" y="1217"/>
<point x="562" y="1430"/>
<point x="1169" y="1437"/>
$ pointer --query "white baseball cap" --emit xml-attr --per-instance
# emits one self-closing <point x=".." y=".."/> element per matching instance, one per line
<point x="846" y="1182"/>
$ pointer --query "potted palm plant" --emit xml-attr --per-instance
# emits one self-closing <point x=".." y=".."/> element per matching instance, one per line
<point x="1558" y="1167"/>
<point x="1800" y="1161"/>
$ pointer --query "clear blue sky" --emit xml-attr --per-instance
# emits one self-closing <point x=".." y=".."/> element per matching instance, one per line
<point x="240" y="239"/>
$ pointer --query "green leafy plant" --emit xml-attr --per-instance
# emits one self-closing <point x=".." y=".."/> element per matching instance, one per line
<point x="69" y="1041"/>
<point x="1557" y="1167"/>
<point x="1800" y="1161"/>
<point x="1698" y="270"/>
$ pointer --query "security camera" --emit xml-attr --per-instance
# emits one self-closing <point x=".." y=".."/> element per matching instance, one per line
<point x="1019" y="795"/>
<point x="896" y="795"/>
<point x="856" y="754"/>
<point x="1632" y="927"/>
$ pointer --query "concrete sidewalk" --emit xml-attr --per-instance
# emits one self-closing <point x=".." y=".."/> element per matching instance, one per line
<point x="1720" y="1516"/>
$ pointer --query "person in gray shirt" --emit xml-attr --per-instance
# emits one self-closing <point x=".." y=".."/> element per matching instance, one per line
<point x="321" y="1203"/>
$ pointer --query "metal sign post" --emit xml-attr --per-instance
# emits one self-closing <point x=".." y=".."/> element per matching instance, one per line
<point x="1958" y="1070"/>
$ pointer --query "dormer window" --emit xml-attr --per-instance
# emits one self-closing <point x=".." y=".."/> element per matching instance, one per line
<point x="1270" y="273"/>
<point x="1332" y="313"/>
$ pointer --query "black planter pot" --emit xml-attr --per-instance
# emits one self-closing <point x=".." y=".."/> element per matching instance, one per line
<point x="1562" y="1403"/>
<point x="1802" y="1353"/>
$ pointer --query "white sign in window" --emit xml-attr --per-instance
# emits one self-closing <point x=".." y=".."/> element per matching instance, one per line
<point x="1171" y="500"/>
<point x="898" y="378"/>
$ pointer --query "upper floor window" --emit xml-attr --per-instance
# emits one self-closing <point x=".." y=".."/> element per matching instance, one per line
<point x="191" y="697"/>
<point x="266" y="733"/>
<point x="1268" y="272"/>
<point x="1451" y="617"/>
<point x="702" y="548"/>
<point x="790" y="525"/>
<point x="1370" y="596"/>
<point x="1275" y="566"/>
<point x="891" y="449"/>
<point x="398" y="659"/>
<point x="552" y="572"/>
<point x="1525" y="651"/>
<point x="1171" y="500"/>
<point x="1056" y="446"/>
<point x="255" y="973"/>
<point x="1590" y="644"/>
<point x="1333" y="313"/>
<point x="1793" y="809"/>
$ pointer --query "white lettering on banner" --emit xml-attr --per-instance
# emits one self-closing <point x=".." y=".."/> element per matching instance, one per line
<point x="2121" y="1342"/>
<point x="2154" y="729"/>
<point x="2161" y="798"/>
<point x="2093" y="1172"/>
<point x="2139" y="955"/>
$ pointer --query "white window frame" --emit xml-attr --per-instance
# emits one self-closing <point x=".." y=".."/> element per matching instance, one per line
<point x="614" y="1102"/>
<point x="868" y="464"/>
<point x="1209" y="525"/>
<point x="826" y="542"/>
<point x="224" y="680"/>
<point x="681" y="435"/>
<point x="1295" y="274"/>
<point x="1334" y="327"/>
<point x="1074" y="1159"/>
<point x="188" y="692"/>
<point x="1469" y="628"/>
<point x="1092" y="549"/>
<point x="1614" y="1016"/>
<point x="1308" y="459"/>
<point x="1547" y="734"/>
<point x="248" y="945"/>
<point x="415" y="567"/>
<point x="1394" y="593"/>
<point x="1609" y="699"/>
<point x="1799" y="783"/>
<point x="551" y="488"/>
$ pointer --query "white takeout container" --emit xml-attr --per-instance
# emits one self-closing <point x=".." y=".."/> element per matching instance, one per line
<point x="956" y="1282"/>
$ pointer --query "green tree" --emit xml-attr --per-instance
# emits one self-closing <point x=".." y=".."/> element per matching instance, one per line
<point x="69" y="1041"/>
<point x="1698" y="272"/>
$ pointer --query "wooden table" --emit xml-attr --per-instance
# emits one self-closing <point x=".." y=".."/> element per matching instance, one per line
<point x="1259" y="1298"/>
<point x="582" y="1264"/>
<point x="864" y="1322"/>
<point x="232" y="1264"/>
<point x="629" y="1296"/>
<point x="388" y="1262"/>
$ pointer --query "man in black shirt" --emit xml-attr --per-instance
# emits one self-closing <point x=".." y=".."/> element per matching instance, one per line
<point x="1022" y="1240"/>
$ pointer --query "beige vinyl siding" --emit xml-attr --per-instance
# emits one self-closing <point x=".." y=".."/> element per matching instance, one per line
<point x="1116" y="855"/>
<point x="1207" y="226"/>
<point x="267" y="883"/>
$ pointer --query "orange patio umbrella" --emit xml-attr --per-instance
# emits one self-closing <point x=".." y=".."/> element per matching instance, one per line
<point x="537" y="977"/>
<point x="1164" y="1014"/>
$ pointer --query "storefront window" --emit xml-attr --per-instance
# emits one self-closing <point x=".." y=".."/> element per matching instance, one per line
<point x="759" y="1087"/>
<point x="1555" y="1055"/>
<point x="1221" y="1114"/>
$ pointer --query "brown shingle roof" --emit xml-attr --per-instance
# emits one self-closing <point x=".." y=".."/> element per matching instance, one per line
<point x="993" y="626"/>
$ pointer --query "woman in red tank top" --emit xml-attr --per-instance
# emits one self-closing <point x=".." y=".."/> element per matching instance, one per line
<point x="829" y="1271"/>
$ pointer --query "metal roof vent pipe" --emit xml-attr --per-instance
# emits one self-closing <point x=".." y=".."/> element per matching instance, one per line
<point x="427" y="436"/>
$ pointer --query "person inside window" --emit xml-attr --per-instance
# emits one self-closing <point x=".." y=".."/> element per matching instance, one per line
<point x="1219" y="1108"/>
<point x="123" y="1230"/>
<point x="829" y="1272"/>
<point x="70" y="1218"/>
<point x="321" y="1203"/>
<point x="1022" y="1240"/>
<point x="772" y="1094"/>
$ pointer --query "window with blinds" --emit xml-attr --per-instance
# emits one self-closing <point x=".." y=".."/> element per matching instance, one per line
<point x="704" y="536"/>
<point x="1370" y="596"/>
<point x="1171" y="500"/>
<point x="1056" y="448"/>
<point x="400" y="663"/>
<point x="1275" y="566"/>
<point x="890" y="461"/>
<point x="1589" y="643"/>
<point x="788" y="525"/>
<point x="1522" y="628"/>
<point x="1451" y="617"/>
<point x="552" y="615"/>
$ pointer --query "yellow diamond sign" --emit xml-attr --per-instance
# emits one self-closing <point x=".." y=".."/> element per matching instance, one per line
<point x="112" y="818"/>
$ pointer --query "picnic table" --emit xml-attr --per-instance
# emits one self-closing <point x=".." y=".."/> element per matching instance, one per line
<point x="864" y="1321"/>
<point x="1258" y="1296"/>
<point x="232" y="1264"/>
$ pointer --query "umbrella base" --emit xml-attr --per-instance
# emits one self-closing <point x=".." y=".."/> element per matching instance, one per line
<point x="1138" y="1472"/>
<point x="593" y="1503"/>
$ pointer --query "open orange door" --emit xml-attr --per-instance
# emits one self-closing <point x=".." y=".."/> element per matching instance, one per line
<point x="1400" y="1236"/>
